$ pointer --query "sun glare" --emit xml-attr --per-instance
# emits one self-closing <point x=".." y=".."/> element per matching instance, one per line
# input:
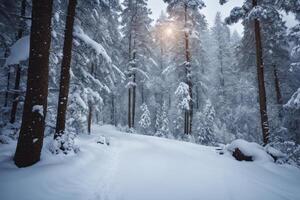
<point x="168" y="31"/>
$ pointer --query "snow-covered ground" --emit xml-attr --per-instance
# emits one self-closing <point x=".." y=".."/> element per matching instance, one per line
<point x="136" y="167"/>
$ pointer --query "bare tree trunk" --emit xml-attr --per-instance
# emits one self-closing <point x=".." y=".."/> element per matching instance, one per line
<point x="277" y="86"/>
<point x="18" y="70"/>
<point x="129" y="89"/>
<point x="65" y="71"/>
<point x="31" y="136"/>
<point x="113" y="118"/>
<point x="129" y="108"/>
<point x="197" y="97"/>
<point x="189" y="113"/>
<point x="90" y="118"/>
<point x="142" y="93"/>
<point x="261" y="81"/>
<point x="133" y="96"/>
<point x="16" y="95"/>
<point x="8" y="81"/>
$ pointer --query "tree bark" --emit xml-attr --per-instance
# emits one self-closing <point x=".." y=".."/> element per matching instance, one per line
<point x="18" y="70"/>
<point x="189" y="113"/>
<point x="65" y="71"/>
<point x="142" y="93"/>
<point x="90" y="118"/>
<point x="197" y="97"/>
<point x="129" y="89"/>
<point x="112" y="116"/>
<point x="31" y="136"/>
<point x="8" y="81"/>
<point x="133" y="96"/>
<point x="261" y="81"/>
<point x="277" y="86"/>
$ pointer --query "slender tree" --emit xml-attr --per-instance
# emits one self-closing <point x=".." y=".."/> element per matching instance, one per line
<point x="65" y="71"/>
<point x="254" y="14"/>
<point x="18" y="67"/>
<point x="261" y="80"/>
<point x="136" y="31"/>
<point x="31" y="136"/>
<point x="185" y="11"/>
<point x="277" y="86"/>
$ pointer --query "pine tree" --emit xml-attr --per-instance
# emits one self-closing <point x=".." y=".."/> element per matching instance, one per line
<point x="31" y="137"/>
<point x="65" y="71"/>
<point x="222" y="67"/>
<point x="256" y="12"/>
<point x="163" y="125"/>
<point x="183" y="11"/>
<point x="145" y="120"/>
<point x="204" y="133"/>
<point x="136" y="31"/>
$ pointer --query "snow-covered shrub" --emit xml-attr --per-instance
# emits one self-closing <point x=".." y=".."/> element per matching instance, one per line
<point x="289" y="148"/>
<point x="9" y="132"/>
<point x="64" y="144"/>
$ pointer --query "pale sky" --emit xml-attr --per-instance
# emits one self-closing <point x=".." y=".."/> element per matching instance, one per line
<point x="212" y="6"/>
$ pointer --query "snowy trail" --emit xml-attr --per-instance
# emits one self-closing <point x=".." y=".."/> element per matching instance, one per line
<point x="136" y="167"/>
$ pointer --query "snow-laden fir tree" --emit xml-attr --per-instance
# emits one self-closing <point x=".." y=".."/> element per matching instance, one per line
<point x="223" y="74"/>
<point x="204" y="133"/>
<point x="185" y="13"/>
<point x="162" y="122"/>
<point x="93" y="72"/>
<point x="182" y="103"/>
<point x="145" y="119"/>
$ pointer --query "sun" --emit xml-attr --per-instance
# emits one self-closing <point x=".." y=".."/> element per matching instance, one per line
<point x="168" y="31"/>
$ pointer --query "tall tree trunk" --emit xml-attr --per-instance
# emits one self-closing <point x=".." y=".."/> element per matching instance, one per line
<point x="31" y="136"/>
<point x="277" y="86"/>
<point x="133" y="97"/>
<point x="130" y="88"/>
<point x="18" y="68"/>
<point x="65" y="71"/>
<point x="90" y="118"/>
<point x="8" y="80"/>
<point x="129" y="108"/>
<point x="142" y="93"/>
<point x="189" y="113"/>
<point x="112" y="116"/>
<point x="197" y="97"/>
<point x="261" y="81"/>
<point x="16" y="95"/>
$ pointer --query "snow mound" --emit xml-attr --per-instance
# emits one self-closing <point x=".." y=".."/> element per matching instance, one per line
<point x="251" y="149"/>
<point x="276" y="154"/>
<point x="102" y="140"/>
<point x="19" y="51"/>
<point x="139" y="167"/>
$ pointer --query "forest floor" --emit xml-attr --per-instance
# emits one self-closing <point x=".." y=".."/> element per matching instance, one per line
<point x="136" y="167"/>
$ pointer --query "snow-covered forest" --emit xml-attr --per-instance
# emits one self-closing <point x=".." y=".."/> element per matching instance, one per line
<point x="84" y="82"/>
